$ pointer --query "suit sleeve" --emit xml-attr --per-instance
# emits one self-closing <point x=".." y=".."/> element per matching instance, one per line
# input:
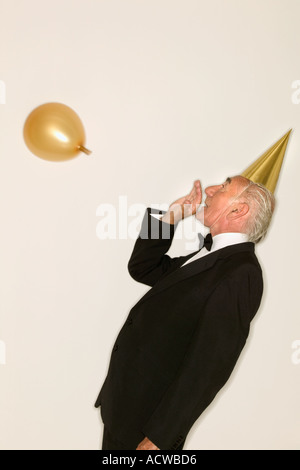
<point x="214" y="349"/>
<point x="149" y="262"/>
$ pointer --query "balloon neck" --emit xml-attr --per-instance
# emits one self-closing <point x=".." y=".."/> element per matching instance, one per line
<point x="84" y="150"/>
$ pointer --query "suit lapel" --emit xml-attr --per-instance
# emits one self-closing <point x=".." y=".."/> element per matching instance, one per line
<point x="195" y="267"/>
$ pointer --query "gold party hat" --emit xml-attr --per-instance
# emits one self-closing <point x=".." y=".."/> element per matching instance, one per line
<point x="266" y="169"/>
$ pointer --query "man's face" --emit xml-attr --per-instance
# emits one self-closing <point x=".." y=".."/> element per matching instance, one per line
<point x="219" y="199"/>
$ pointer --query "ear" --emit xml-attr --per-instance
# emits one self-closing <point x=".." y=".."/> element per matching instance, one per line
<point x="238" y="210"/>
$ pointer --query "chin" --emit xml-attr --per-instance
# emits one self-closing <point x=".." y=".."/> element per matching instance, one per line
<point x="201" y="215"/>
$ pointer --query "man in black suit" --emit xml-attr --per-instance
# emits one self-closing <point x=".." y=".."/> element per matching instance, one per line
<point x="181" y="341"/>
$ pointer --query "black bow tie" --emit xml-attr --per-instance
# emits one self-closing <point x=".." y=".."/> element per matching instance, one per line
<point x="205" y="242"/>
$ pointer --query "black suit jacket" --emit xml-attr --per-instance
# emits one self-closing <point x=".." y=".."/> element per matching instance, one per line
<point x="182" y="339"/>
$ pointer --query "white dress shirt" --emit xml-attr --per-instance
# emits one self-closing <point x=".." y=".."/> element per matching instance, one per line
<point x="220" y="241"/>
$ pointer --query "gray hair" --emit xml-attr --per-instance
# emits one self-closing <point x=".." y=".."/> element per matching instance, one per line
<point x="261" y="203"/>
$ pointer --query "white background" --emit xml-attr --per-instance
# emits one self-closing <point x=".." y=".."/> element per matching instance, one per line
<point x="169" y="91"/>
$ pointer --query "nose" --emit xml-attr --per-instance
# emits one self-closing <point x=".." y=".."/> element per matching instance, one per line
<point x="211" y="190"/>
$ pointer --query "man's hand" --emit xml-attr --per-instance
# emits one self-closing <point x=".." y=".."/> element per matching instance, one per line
<point x="184" y="206"/>
<point x="146" y="444"/>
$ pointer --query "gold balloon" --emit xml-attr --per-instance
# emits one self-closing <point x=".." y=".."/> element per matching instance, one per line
<point x="54" y="132"/>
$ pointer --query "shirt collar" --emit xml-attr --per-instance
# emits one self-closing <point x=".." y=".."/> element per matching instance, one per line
<point x="226" y="239"/>
<point x="220" y="241"/>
